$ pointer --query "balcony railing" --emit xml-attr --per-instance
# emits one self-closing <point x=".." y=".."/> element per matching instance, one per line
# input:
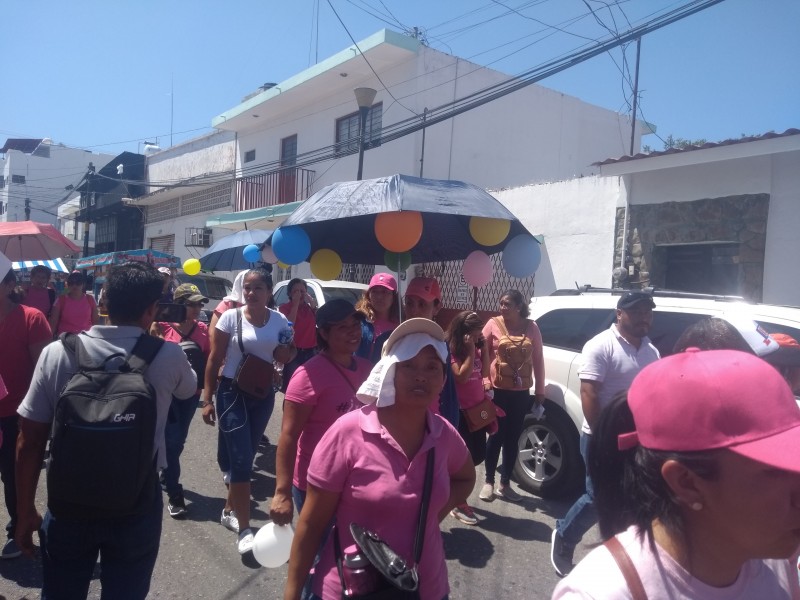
<point x="281" y="186"/>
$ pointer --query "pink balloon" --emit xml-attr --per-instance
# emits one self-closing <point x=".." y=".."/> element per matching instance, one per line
<point x="268" y="256"/>
<point x="478" y="269"/>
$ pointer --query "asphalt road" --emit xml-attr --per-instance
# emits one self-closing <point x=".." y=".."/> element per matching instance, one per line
<point x="505" y="556"/>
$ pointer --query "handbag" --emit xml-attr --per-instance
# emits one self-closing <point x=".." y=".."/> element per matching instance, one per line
<point x="253" y="374"/>
<point x="481" y="415"/>
<point x="400" y="580"/>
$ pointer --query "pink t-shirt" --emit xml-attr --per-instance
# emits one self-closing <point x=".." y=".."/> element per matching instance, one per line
<point x="39" y="298"/>
<point x="493" y="334"/>
<point x="381" y="490"/>
<point x="225" y="305"/>
<point x="75" y="315"/>
<point x="382" y="326"/>
<point x="598" y="576"/>
<point x="331" y="392"/>
<point x="22" y="328"/>
<point x="471" y="392"/>
<point x="304" y="325"/>
<point x="199" y="335"/>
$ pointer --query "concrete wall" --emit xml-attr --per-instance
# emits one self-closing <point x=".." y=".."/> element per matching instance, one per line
<point x="576" y="219"/>
<point x="781" y="268"/>
<point x="215" y="153"/>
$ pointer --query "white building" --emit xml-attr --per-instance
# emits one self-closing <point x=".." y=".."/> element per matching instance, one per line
<point x="291" y="138"/>
<point x="37" y="174"/>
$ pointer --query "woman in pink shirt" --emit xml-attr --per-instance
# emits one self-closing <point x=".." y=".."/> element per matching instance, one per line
<point x="76" y="310"/>
<point x="370" y="466"/>
<point x="300" y="311"/>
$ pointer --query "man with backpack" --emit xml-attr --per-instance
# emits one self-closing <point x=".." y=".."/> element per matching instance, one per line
<point x="104" y="395"/>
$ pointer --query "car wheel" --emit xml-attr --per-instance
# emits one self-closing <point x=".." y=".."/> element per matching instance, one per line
<point x="549" y="462"/>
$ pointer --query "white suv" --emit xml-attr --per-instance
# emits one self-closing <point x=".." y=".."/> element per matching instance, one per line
<point x="549" y="462"/>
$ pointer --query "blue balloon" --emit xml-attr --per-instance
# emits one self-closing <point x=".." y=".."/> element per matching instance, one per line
<point x="521" y="256"/>
<point x="251" y="253"/>
<point x="291" y="245"/>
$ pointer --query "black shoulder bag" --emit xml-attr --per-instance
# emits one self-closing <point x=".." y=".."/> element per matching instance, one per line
<point x="397" y="579"/>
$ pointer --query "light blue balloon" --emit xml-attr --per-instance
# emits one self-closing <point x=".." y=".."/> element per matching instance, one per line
<point x="251" y="253"/>
<point x="521" y="256"/>
<point x="291" y="245"/>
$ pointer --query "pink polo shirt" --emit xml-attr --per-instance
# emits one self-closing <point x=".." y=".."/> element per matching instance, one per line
<point x="470" y="393"/>
<point x="330" y="392"/>
<point x="381" y="490"/>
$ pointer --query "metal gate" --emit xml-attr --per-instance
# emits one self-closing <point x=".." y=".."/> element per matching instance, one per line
<point x="457" y="294"/>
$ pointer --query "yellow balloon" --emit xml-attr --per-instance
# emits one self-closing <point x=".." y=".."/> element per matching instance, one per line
<point x="191" y="266"/>
<point x="282" y="265"/>
<point x="326" y="264"/>
<point x="489" y="232"/>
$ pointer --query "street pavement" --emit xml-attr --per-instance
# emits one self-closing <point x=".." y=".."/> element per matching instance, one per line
<point x="505" y="556"/>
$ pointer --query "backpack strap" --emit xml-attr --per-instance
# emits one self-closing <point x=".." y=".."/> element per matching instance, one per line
<point x="186" y="336"/>
<point x="627" y="567"/>
<point x="72" y="343"/>
<point x="143" y="353"/>
<point x="239" y="329"/>
<point x="501" y="326"/>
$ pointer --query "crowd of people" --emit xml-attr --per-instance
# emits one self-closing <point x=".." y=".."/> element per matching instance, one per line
<point x="691" y="462"/>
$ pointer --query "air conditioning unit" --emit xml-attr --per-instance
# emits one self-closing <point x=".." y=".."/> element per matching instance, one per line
<point x="198" y="236"/>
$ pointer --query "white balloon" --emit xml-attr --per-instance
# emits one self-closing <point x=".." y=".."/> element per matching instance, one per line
<point x="268" y="256"/>
<point x="272" y="545"/>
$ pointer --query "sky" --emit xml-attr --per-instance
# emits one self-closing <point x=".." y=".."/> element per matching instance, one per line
<point x="108" y="75"/>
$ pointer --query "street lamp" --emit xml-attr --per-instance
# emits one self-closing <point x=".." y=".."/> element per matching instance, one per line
<point x="364" y="98"/>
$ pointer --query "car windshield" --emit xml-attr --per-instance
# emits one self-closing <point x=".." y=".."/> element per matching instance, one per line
<point x="211" y="287"/>
<point x="352" y="295"/>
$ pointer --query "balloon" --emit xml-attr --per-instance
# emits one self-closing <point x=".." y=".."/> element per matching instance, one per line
<point x="326" y="264"/>
<point x="398" y="231"/>
<point x="489" y="232"/>
<point x="282" y="265"/>
<point x="251" y="253"/>
<point x="522" y="256"/>
<point x="191" y="266"/>
<point x="478" y="268"/>
<point x="272" y="545"/>
<point x="291" y="245"/>
<point x="268" y="256"/>
<point x="397" y="261"/>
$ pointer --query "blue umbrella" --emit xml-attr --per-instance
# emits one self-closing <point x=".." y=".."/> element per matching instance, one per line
<point x="226" y="254"/>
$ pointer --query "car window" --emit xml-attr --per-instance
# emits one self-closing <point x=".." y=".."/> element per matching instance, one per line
<point x="211" y="287"/>
<point x="777" y="328"/>
<point x="352" y="295"/>
<point x="571" y="328"/>
<point x="281" y="295"/>
<point x="669" y="326"/>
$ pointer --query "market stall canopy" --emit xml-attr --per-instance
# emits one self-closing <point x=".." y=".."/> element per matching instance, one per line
<point x="29" y="240"/>
<point x="54" y="265"/>
<point x="153" y="257"/>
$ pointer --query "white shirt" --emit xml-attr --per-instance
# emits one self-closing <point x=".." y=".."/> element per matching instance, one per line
<point x="613" y="362"/>
<point x="259" y="341"/>
<point x="598" y="577"/>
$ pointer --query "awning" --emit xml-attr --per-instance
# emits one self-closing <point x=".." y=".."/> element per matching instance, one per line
<point x="154" y="257"/>
<point x="268" y="217"/>
<point x="54" y="265"/>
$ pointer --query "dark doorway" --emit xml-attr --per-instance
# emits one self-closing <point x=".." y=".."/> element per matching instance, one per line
<point x="711" y="268"/>
<point x="288" y="176"/>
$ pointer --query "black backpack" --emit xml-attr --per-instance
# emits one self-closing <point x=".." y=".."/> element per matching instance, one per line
<point x="101" y="455"/>
<point x="194" y="355"/>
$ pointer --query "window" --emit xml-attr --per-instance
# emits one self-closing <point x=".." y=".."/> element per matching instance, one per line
<point x="347" y="129"/>
<point x="2" y="182"/>
<point x="18" y="179"/>
<point x="571" y="328"/>
<point x="249" y="156"/>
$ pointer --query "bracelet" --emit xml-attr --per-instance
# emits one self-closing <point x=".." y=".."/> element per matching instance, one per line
<point x="206" y="403"/>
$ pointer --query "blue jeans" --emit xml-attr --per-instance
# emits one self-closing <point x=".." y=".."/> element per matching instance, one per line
<point x="175" y="433"/>
<point x="127" y="546"/>
<point x="242" y="421"/>
<point x="583" y="514"/>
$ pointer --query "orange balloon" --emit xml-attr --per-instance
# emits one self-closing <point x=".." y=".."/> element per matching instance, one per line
<point x="398" y="231"/>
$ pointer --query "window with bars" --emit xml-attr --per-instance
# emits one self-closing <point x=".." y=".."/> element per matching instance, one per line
<point x="347" y="130"/>
<point x="249" y="156"/>
<point x="164" y="243"/>
<point x="207" y="200"/>
<point x="106" y="231"/>
<point x="18" y="179"/>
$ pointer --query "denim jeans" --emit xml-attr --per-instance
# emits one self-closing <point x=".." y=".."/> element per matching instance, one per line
<point x="583" y="514"/>
<point x="175" y="433"/>
<point x="127" y="546"/>
<point x="516" y="405"/>
<point x="9" y="426"/>
<point x="242" y="421"/>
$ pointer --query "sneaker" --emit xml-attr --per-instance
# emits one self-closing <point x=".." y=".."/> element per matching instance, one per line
<point x="464" y="514"/>
<point x="246" y="540"/>
<point x="561" y="554"/>
<point x="11" y="550"/>
<point x="226" y="478"/>
<point x="507" y="493"/>
<point x="229" y="521"/>
<point x="487" y="492"/>
<point x="177" y="507"/>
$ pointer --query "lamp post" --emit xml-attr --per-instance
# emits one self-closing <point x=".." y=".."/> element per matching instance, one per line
<point x="364" y="98"/>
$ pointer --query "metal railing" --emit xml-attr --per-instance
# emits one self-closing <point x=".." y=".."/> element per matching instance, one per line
<point x="281" y="186"/>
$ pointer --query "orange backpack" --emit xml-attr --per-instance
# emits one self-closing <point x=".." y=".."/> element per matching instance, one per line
<point x="513" y="360"/>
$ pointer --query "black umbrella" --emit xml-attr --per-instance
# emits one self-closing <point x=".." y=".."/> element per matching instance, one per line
<point x="341" y="217"/>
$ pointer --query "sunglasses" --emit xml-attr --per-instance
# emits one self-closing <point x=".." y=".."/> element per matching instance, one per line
<point x="194" y="304"/>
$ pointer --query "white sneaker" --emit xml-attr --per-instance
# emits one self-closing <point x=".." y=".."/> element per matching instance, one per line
<point x="487" y="492"/>
<point x="226" y="477"/>
<point x="229" y="521"/>
<point x="246" y="540"/>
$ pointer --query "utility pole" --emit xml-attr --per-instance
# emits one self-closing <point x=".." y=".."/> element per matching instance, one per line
<point x="87" y="223"/>
<point x="635" y="92"/>
<point x="27" y="209"/>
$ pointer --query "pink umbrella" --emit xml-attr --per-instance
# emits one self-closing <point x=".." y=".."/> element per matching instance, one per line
<point x="28" y="240"/>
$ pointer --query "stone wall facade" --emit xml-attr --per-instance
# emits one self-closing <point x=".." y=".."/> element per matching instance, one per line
<point x="739" y="219"/>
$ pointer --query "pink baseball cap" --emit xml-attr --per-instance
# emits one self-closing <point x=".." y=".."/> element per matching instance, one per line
<point x="706" y="400"/>
<point x="383" y="280"/>
<point x="426" y="288"/>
